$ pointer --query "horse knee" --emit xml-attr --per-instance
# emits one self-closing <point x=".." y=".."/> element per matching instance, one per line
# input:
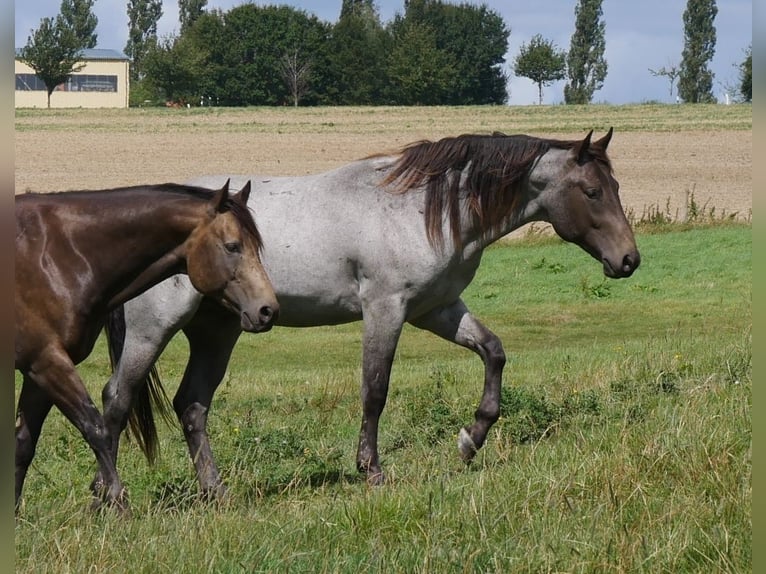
<point x="25" y="444"/>
<point x="116" y="406"/>
<point x="494" y="352"/>
<point x="193" y="418"/>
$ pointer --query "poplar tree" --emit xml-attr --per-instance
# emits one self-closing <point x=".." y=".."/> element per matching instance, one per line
<point x="143" y="16"/>
<point x="189" y="11"/>
<point x="585" y="61"/>
<point x="746" y="76"/>
<point x="78" y="16"/>
<point x="363" y="8"/>
<point x="695" y="81"/>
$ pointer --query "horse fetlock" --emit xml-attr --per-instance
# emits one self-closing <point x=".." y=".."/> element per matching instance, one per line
<point x="466" y="445"/>
<point x="373" y="472"/>
<point x="98" y="485"/>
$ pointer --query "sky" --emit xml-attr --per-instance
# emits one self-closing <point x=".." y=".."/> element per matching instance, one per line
<point x="640" y="35"/>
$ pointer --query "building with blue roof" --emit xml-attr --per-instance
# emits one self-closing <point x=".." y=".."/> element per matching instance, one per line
<point x="103" y="82"/>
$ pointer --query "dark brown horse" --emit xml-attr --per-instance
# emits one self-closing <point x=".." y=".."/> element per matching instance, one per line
<point x="80" y="254"/>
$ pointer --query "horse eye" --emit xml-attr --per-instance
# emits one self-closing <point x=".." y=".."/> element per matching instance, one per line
<point x="233" y="247"/>
<point x="593" y="192"/>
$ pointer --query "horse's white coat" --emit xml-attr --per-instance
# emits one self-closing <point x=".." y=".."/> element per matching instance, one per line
<point x="339" y="248"/>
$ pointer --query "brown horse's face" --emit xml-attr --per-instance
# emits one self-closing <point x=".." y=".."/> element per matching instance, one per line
<point x="223" y="262"/>
<point x="583" y="205"/>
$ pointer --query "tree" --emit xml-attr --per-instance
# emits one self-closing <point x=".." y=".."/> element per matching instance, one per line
<point x="357" y="50"/>
<point x="671" y="72"/>
<point x="79" y="17"/>
<point x="143" y="16"/>
<point x="53" y="51"/>
<point x="419" y="73"/>
<point x="189" y="11"/>
<point x="208" y="37"/>
<point x="296" y="72"/>
<point x="248" y="65"/>
<point x="474" y="39"/>
<point x="541" y="62"/>
<point x="746" y="76"/>
<point x="172" y="66"/>
<point x="364" y="8"/>
<point x="585" y="61"/>
<point x="695" y="81"/>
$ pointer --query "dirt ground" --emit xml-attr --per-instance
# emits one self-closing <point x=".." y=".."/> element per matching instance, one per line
<point x="656" y="169"/>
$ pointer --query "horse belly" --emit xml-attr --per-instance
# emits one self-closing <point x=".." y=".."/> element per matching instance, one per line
<point x="316" y="295"/>
<point x="307" y="311"/>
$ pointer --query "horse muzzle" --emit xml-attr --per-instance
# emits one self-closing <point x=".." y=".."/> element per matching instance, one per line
<point x="624" y="268"/>
<point x="263" y="320"/>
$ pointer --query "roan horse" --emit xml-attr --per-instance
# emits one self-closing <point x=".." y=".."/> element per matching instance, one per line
<point x="80" y="254"/>
<point x="387" y="239"/>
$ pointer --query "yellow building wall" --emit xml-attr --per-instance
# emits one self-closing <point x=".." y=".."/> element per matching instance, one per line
<point x="63" y="99"/>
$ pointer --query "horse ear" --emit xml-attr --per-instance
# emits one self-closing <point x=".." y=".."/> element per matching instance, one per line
<point x="604" y="141"/>
<point x="582" y="149"/>
<point x="244" y="194"/>
<point x="220" y="197"/>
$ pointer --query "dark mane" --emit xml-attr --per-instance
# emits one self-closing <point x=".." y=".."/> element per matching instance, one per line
<point x="241" y="213"/>
<point x="496" y="165"/>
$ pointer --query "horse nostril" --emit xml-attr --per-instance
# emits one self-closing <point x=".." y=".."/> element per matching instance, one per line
<point x="630" y="262"/>
<point x="266" y="313"/>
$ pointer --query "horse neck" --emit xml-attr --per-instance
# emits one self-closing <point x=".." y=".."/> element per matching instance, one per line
<point x="146" y="242"/>
<point x="476" y="237"/>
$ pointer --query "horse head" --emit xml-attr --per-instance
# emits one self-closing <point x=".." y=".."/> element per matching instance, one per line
<point x="579" y="195"/>
<point x="223" y="261"/>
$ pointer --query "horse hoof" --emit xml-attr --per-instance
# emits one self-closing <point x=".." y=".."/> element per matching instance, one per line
<point x="376" y="478"/>
<point x="118" y="504"/>
<point x="121" y="508"/>
<point x="217" y="494"/>
<point x="466" y="446"/>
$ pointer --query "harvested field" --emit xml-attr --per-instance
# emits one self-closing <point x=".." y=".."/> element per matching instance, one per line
<point x="661" y="154"/>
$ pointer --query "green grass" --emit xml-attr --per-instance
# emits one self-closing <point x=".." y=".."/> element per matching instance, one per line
<point x="624" y="443"/>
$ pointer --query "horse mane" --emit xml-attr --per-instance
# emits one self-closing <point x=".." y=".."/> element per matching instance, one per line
<point x="495" y="165"/>
<point x="238" y="209"/>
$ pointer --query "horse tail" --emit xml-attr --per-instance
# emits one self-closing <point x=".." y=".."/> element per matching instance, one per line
<point x="151" y="394"/>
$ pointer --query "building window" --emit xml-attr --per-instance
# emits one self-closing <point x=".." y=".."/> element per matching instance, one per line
<point x="29" y="83"/>
<point x="75" y="83"/>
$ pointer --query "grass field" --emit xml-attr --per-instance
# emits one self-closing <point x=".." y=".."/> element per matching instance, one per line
<point x="624" y="443"/>
<point x="625" y="438"/>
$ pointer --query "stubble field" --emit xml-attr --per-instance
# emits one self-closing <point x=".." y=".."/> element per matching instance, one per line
<point x="661" y="153"/>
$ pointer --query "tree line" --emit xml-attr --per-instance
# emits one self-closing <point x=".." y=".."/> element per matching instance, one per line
<point x="433" y="53"/>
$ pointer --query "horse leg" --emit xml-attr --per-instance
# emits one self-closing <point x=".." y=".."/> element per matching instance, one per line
<point x="455" y="323"/>
<point x="381" y="335"/>
<point x="212" y="335"/>
<point x="141" y="352"/>
<point x="151" y="320"/>
<point x="56" y="376"/>
<point x="34" y="406"/>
